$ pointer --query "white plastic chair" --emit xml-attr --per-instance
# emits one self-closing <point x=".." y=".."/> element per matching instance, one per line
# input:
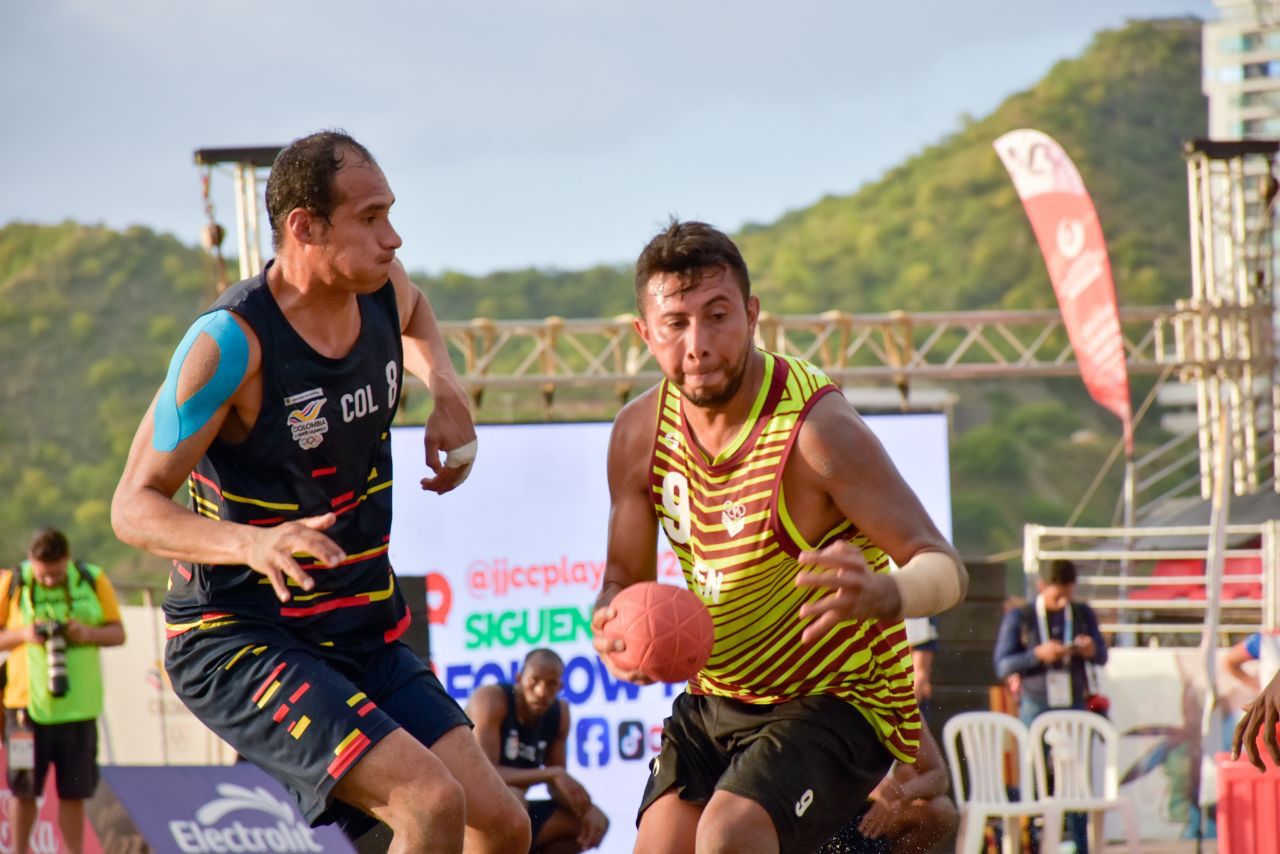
<point x="1071" y="737"/>
<point x="983" y="736"/>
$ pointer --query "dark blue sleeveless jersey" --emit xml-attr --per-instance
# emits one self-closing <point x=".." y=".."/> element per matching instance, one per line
<point x="321" y="443"/>
<point x="526" y="746"/>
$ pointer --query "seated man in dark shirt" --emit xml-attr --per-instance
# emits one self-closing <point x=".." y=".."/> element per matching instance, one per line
<point x="908" y="813"/>
<point x="522" y="728"/>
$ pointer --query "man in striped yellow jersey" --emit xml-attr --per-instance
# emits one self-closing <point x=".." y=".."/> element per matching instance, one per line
<point x="784" y="511"/>
<point x="283" y="614"/>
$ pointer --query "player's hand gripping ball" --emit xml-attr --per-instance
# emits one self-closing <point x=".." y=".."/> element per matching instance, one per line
<point x="666" y="630"/>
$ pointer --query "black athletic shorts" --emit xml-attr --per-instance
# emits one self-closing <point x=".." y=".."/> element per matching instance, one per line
<point x="810" y="762"/>
<point x="303" y="713"/>
<point x="71" y="748"/>
<point x="539" y="813"/>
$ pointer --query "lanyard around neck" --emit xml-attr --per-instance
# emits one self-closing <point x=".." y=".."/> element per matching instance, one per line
<point x="1043" y="617"/>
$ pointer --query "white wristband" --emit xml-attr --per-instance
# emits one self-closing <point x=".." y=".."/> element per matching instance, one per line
<point x="463" y="455"/>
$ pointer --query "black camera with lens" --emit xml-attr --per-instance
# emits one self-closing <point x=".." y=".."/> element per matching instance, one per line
<point x="53" y="633"/>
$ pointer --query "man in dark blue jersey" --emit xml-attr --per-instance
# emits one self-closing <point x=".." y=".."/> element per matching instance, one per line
<point x="523" y="729"/>
<point x="283" y="611"/>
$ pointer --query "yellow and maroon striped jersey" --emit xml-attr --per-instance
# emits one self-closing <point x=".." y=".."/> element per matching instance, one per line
<point x="727" y="521"/>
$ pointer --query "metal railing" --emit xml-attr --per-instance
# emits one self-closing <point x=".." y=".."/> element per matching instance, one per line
<point x="893" y="347"/>
<point x="1121" y="567"/>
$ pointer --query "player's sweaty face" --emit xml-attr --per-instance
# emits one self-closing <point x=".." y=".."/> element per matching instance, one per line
<point x="360" y="242"/>
<point x="701" y="337"/>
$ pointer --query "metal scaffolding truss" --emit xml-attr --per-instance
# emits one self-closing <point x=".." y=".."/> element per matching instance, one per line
<point x="247" y="165"/>
<point x="1222" y="340"/>
<point x="865" y="348"/>
<point x="1225" y="333"/>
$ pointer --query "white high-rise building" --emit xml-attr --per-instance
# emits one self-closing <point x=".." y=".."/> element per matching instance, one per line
<point x="1242" y="70"/>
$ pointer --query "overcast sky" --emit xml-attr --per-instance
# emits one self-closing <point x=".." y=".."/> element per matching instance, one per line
<point x="552" y="133"/>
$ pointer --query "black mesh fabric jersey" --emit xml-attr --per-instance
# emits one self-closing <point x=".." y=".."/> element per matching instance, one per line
<point x="321" y="444"/>
<point x="526" y="746"/>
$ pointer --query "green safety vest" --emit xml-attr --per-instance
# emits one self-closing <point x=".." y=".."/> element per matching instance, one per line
<point x="77" y="599"/>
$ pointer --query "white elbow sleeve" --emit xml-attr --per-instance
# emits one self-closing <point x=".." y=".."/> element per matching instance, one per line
<point x="930" y="582"/>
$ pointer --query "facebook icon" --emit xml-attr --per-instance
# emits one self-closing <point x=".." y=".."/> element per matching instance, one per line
<point x="593" y="742"/>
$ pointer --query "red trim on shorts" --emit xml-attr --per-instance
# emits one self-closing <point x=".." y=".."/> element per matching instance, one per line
<point x="266" y="683"/>
<point x="323" y="472"/>
<point x="273" y="520"/>
<point x="280" y="713"/>
<point x="345" y="759"/>
<point x="342" y="499"/>
<point x="306" y="686"/>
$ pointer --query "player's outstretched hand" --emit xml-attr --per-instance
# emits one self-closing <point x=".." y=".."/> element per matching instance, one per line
<point x="450" y="429"/>
<point x="606" y="644"/>
<point x="1260" y="715"/>
<point x="272" y="552"/>
<point x="856" y="592"/>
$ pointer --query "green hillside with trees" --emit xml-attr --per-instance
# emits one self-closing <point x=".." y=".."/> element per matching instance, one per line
<point x="89" y="316"/>
<point x="945" y="230"/>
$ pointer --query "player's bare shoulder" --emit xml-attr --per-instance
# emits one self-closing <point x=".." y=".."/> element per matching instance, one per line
<point x="407" y="292"/>
<point x="833" y="442"/>
<point x="216" y="339"/>
<point x="639" y="415"/>
<point x="488" y="704"/>
<point x="221" y="359"/>
<point x="630" y="442"/>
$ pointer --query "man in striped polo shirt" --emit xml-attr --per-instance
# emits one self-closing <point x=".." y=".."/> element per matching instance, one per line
<point x="784" y="511"/>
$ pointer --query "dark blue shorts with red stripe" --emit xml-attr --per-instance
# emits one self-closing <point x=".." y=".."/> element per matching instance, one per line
<point x="305" y="713"/>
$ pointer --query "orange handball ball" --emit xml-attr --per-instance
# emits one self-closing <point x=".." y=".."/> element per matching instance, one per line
<point x="667" y="631"/>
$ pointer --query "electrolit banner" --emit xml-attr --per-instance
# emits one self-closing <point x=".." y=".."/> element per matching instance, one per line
<point x="514" y="559"/>
<point x="208" y="809"/>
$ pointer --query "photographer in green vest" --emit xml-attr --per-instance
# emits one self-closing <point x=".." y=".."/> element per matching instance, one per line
<point x="56" y="612"/>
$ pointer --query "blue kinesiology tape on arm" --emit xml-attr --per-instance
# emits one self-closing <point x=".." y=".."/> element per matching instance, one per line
<point x="174" y="423"/>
